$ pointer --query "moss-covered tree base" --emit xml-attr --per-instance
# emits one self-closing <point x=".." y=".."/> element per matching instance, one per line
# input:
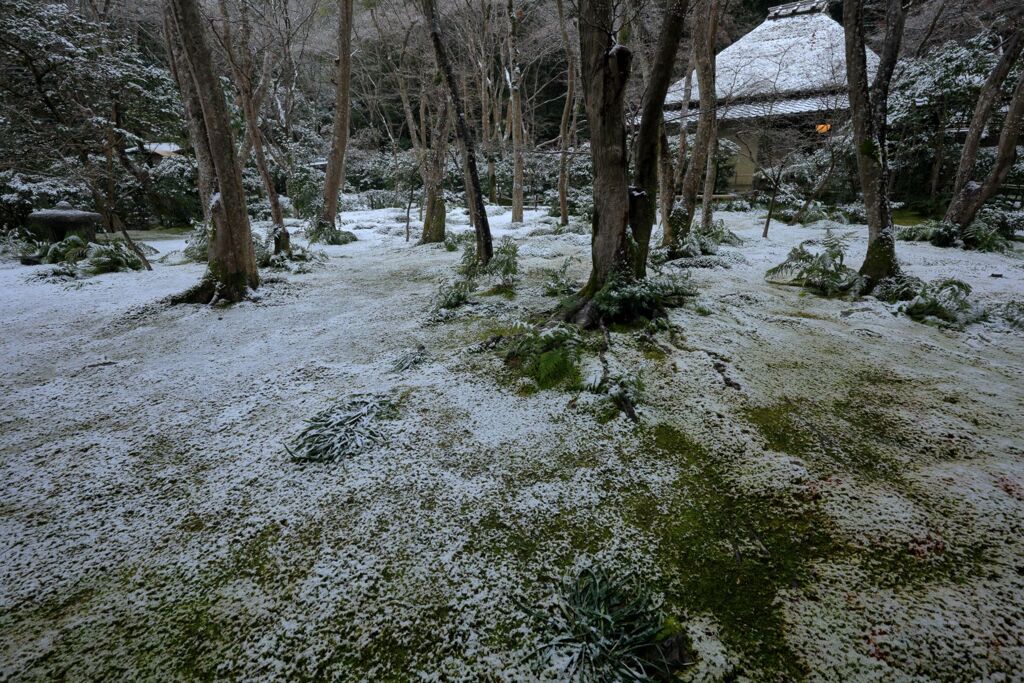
<point x="211" y="290"/>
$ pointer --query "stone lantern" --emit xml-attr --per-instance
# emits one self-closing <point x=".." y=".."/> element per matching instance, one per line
<point x="53" y="225"/>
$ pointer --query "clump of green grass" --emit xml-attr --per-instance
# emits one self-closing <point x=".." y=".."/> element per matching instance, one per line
<point x="606" y="627"/>
<point x="343" y="430"/>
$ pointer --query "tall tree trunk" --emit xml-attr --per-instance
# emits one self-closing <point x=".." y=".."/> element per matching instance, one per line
<point x="868" y="119"/>
<point x="707" y="204"/>
<point x="604" y="68"/>
<point x="705" y="30"/>
<point x="335" y="173"/>
<point x="436" y="216"/>
<point x="250" y="97"/>
<point x="983" y="109"/>
<point x="680" y="171"/>
<point x="643" y="207"/>
<point x="232" y="266"/>
<point x="484" y="245"/>
<point x="567" y="114"/>
<point x="666" y="172"/>
<point x="206" y="177"/>
<point x="972" y="196"/>
<point x="516" y="110"/>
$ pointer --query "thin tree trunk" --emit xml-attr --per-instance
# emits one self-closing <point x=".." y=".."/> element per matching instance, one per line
<point x="250" y="98"/>
<point x="680" y="170"/>
<point x="666" y="186"/>
<point x="707" y="205"/>
<point x="232" y="268"/>
<point x="983" y="109"/>
<point x="484" y="245"/>
<point x="567" y="113"/>
<point x="643" y="205"/>
<point x="335" y="173"/>
<point x="704" y="53"/>
<point x="972" y="196"/>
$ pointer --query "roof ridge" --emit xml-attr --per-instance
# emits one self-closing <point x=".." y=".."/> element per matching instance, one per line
<point x="799" y="7"/>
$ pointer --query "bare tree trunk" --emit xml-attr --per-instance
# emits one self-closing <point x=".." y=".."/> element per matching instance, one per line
<point x="436" y="216"/>
<point x="250" y="98"/>
<point x="567" y="112"/>
<point x="643" y="205"/>
<point x="232" y="267"/>
<point x="983" y="109"/>
<point x="666" y="173"/>
<point x="516" y="110"/>
<point x="707" y="208"/>
<point x="484" y="245"/>
<point x="704" y="53"/>
<point x="972" y="196"/>
<point x="605" y="67"/>
<point x="335" y="173"/>
<point x="868" y="118"/>
<point x="206" y="178"/>
<point x="677" y="178"/>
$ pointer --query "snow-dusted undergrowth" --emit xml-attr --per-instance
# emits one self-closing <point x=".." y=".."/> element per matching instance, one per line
<point x="814" y="487"/>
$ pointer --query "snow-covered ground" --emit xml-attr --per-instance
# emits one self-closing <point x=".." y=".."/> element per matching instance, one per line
<point x="816" y="487"/>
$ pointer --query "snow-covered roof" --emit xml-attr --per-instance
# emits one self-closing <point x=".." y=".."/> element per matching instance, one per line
<point x="798" y="50"/>
<point x="791" y="106"/>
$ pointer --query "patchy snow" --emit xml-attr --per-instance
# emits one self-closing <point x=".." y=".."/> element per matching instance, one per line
<point x="153" y="526"/>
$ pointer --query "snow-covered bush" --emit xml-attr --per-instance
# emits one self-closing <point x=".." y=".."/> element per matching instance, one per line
<point x="823" y="271"/>
<point x="938" y="233"/>
<point x="605" y="627"/>
<point x="944" y="301"/>
<point x="112" y="257"/>
<point x="344" y="430"/>
<point x="979" y="235"/>
<point x="629" y="300"/>
<point x="329" y="234"/>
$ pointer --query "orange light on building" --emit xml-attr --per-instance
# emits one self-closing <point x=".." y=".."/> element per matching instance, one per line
<point x="823" y="128"/>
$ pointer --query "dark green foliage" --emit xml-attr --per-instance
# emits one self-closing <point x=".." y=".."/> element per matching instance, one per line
<point x="504" y="264"/>
<point x="623" y="300"/>
<point x="823" y="271"/>
<point x="112" y="257"/>
<point x="606" y="627"/>
<point x="451" y="295"/>
<point x="989" y="232"/>
<point x="981" y="236"/>
<point x="548" y="355"/>
<point x="343" y="430"/>
<point x="938" y="233"/>
<point x="329" y="234"/>
<point x="71" y="250"/>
